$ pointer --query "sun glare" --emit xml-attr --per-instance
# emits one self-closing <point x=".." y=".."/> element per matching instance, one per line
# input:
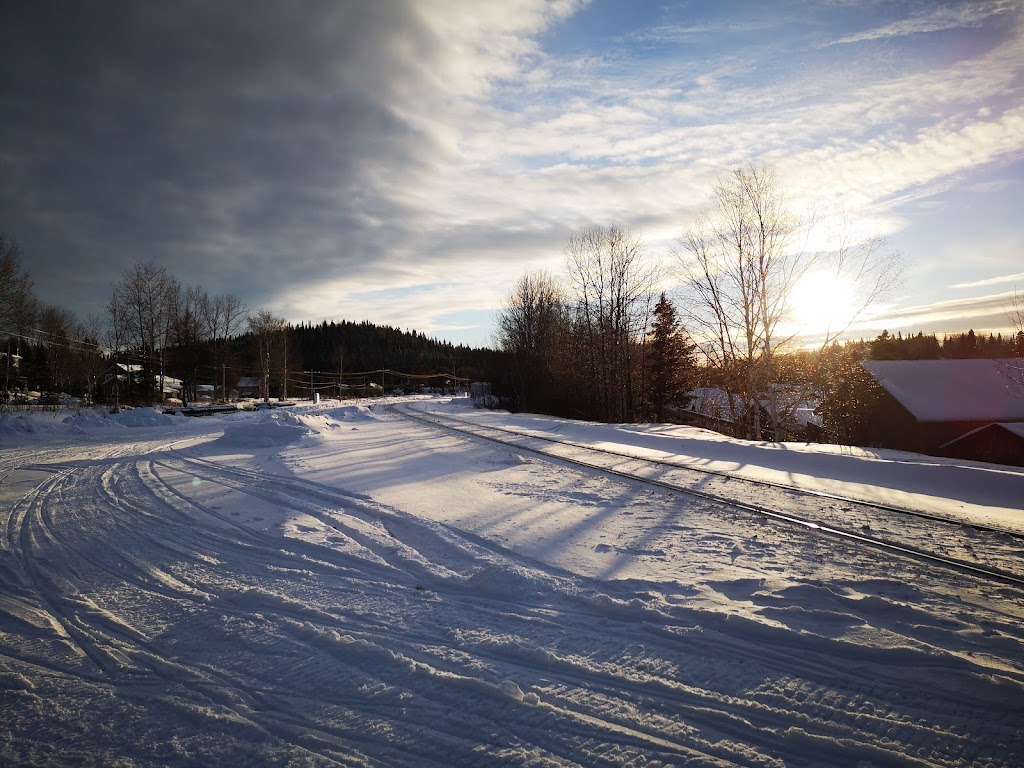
<point x="822" y="301"/>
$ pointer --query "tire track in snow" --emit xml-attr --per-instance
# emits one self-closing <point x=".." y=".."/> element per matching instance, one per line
<point x="123" y="655"/>
<point x="498" y="660"/>
<point x="284" y="488"/>
<point x="754" y="709"/>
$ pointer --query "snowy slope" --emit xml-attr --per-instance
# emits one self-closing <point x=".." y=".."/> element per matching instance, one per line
<point x="340" y="585"/>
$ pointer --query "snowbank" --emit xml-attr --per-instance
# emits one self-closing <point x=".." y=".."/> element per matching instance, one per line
<point x="265" y="430"/>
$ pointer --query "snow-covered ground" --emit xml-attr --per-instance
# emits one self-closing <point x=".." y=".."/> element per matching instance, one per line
<point x="341" y="585"/>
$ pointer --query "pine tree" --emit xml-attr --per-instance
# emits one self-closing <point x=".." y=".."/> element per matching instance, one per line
<point x="671" y="361"/>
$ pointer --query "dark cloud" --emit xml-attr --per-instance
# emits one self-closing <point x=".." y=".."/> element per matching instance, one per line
<point x="233" y="142"/>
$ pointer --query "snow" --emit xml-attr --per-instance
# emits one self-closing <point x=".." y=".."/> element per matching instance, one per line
<point x="953" y="390"/>
<point x="339" y="584"/>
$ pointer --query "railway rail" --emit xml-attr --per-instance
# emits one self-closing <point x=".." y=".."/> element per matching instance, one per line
<point x="980" y="550"/>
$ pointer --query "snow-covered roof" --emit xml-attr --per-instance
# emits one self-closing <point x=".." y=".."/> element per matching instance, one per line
<point x="248" y="382"/>
<point x="953" y="390"/>
<point x="799" y="403"/>
<point x="711" y="401"/>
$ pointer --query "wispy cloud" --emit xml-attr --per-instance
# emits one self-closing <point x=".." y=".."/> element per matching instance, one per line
<point x="1019" y="276"/>
<point x="936" y="20"/>
<point x="988" y="313"/>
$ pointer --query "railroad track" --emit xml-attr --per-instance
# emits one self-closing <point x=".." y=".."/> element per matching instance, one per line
<point x="977" y="550"/>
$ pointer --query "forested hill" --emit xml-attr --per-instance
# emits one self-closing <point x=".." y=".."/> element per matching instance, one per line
<point x="332" y="346"/>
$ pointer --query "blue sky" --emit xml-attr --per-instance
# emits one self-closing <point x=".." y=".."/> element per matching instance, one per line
<point x="404" y="162"/>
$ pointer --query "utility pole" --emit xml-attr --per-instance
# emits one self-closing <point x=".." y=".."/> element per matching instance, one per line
<point x="284" y="392"/>
<point x="266" y="375"/>
<point x="341" y="370"/>
<point x="224" y="381"/>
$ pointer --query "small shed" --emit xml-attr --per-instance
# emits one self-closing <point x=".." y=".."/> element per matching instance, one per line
<point x="1000" y="443"/>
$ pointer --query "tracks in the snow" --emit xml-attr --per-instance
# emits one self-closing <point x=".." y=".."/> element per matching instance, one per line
<point x="996" y="555"/>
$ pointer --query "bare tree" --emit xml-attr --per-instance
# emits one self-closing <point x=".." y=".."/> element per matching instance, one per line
<point x="740" y="262"/>
<point x="188" y="335"/>
<point x="739" y="268"/>
<point x="612" y="286"/>
<point x="269" y="333"/>
<point x="58" y="332"/>
<point x="1016" y="317"/>
<point x="141" y="310"/>
<point x="1014" y="370"/>
<point x="17" y="301"/>
<point x="867" y="264"/>
<point x="532" y="328"/>
<point x="223" y="317"/>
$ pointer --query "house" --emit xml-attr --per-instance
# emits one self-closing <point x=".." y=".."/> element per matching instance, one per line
<point x="171" y="386"/>
<point x="119" y="379"/>
<point x="931" y="406"/>
<point x="122" y="380"/>
<point x="249" y="386"/>
<point x="713" y="408"/>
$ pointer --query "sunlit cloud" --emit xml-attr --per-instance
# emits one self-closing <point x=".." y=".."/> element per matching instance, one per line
<point x="1019" y="276"/>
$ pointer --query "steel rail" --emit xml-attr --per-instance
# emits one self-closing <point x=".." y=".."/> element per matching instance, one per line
<point x="922" y="514"/>
<point x="987" y="574"/>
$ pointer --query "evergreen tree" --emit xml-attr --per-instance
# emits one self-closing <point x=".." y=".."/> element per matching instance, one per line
<point x="671" y="361"/>
<point x="847" y="391"/>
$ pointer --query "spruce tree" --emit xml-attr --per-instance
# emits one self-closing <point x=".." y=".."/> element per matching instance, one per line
<point x="671" y="361"/>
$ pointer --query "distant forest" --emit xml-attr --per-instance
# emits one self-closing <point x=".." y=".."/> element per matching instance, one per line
<point x="356" y="352"/>
<point x="955" y="346"/>
<point x="157" y="337"/>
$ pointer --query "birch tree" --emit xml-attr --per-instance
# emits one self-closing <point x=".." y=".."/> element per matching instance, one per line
<point x="141" y="308"/>
<point x="269" y="335"/>
<point x="223" y="317"/>
<point x="740" y="262"/>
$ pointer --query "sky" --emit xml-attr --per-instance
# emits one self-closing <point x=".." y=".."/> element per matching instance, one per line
<point x="405" y="162"/>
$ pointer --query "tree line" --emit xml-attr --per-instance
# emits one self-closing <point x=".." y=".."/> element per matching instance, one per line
<point x="589" y="343"/>
<point x="599" y="341"/>
<point x="596" y="344"/>
<point x="154" y="328"/>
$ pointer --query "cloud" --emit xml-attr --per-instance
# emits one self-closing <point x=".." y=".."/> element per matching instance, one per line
<point x="249" y="146"/>
<point x="935" y="20"/>
<point x="314" y="156"/>
<point x="983" y="313"/>
<point x="1019" y="276"/>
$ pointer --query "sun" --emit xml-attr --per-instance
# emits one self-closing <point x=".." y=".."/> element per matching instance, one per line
<point x="822" y="301"/>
